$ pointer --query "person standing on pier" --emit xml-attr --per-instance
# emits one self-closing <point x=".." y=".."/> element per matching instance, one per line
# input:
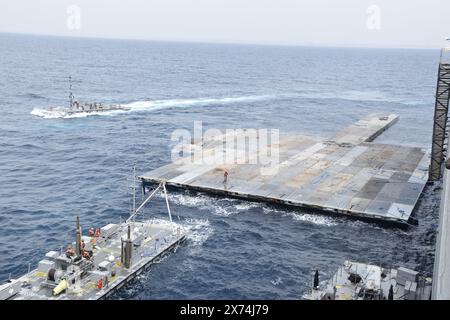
<point x="225" y="177"/>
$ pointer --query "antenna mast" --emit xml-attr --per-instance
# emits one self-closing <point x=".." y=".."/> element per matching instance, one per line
<point x="70" y="92"/>
<point x="134" y="190"/>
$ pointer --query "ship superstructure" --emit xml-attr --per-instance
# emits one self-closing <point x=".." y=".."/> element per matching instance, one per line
<point x="359" y="281"/>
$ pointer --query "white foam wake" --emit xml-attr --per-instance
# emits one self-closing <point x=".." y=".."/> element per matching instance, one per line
<point x="151" y="105"/>
<point x="360" y="95"/>
<point x="304" y="217"/>
<point x="226" y="207"/>
<point x="219" y="206"/>
<point x="199" y="230"/>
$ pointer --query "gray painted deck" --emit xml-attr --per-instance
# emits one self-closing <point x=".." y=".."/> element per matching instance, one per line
<point x="161" y="236"/>
<point x="348" y="173"/>
<point x="441" y="273"/>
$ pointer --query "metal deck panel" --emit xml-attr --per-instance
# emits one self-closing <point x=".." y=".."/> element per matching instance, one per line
<point x="347" y="173"/>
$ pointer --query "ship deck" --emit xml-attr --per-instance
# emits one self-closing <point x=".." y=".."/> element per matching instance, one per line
<point x="373" y="278"/>
<point x="347" y="174"/>
<point x="159" y="237"/>
<point x="441" y="273"/>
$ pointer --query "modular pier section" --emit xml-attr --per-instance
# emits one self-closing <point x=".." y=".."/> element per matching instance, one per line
<point x="150" y="240"/>
<point x="347" y="174"/>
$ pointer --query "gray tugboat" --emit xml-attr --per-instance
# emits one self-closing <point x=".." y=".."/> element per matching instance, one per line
<point x="100" y="262"/>
<point x="76" y="107"/>
<point x="359" y="281"/>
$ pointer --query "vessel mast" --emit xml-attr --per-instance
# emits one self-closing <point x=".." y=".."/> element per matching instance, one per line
<point x="70" y="92"/>
<point x="78" y="248"/>
<point x="134" y="190"/>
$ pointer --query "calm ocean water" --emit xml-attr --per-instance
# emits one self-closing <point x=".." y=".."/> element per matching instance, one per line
<point x="53" y="169"/>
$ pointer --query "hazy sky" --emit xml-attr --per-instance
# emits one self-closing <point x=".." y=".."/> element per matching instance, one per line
<point x="374" y="23"/>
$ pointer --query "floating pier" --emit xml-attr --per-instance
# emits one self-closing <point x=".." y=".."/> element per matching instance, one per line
<point x="100" y="262"/>
<point x="156" y="239"/>
<point x="346" y="174"/>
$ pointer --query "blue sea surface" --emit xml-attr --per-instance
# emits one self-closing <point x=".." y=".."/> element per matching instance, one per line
<point x="53" y="169"/>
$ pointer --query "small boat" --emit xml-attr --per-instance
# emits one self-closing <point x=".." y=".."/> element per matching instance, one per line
<point x="77" y="107"/>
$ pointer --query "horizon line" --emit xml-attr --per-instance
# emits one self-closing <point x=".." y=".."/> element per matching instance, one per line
<point x="315" y="45"/>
